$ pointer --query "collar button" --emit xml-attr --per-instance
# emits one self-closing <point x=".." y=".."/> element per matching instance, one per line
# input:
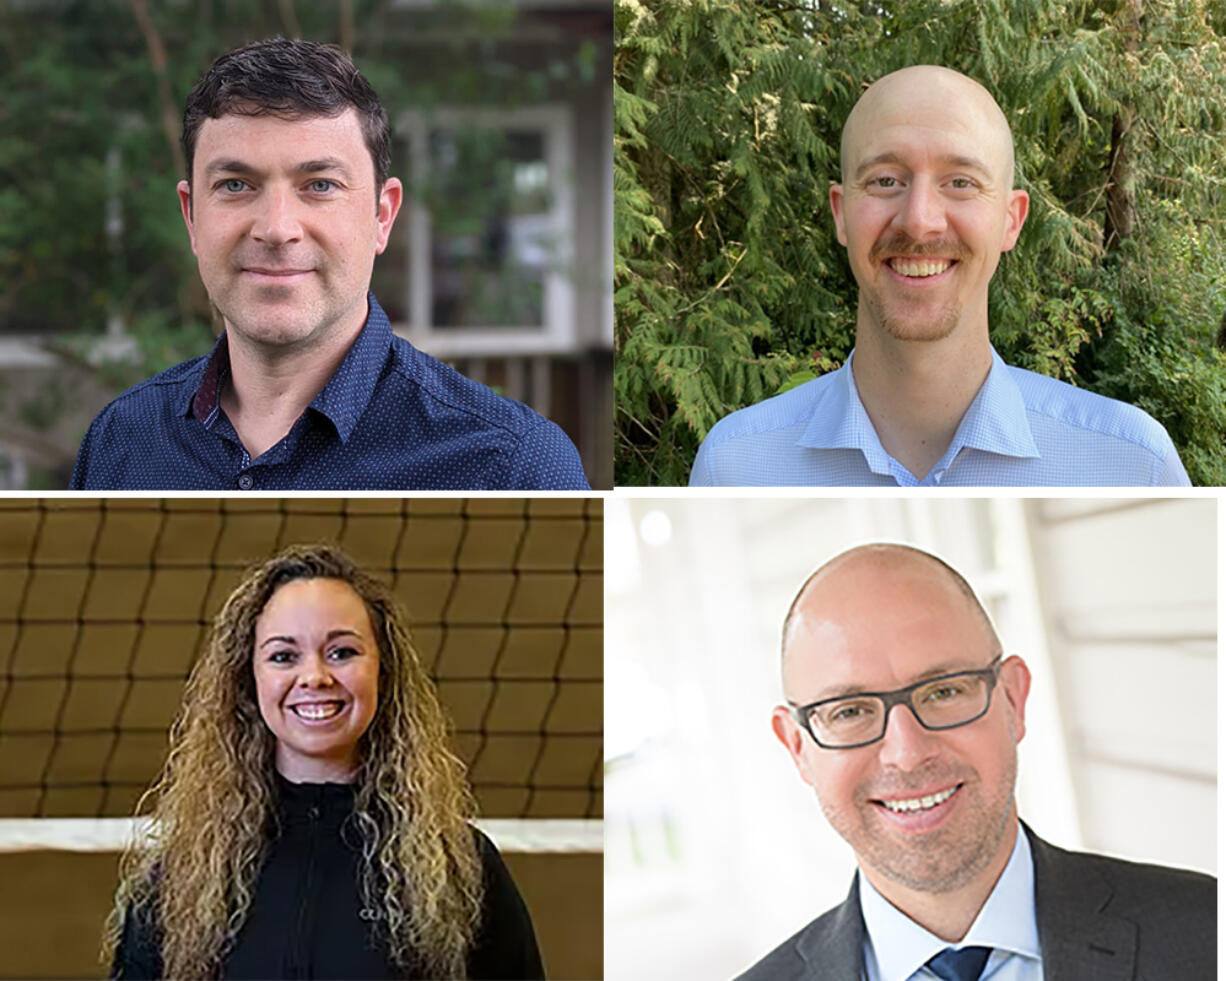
<point x="245" y="481"/>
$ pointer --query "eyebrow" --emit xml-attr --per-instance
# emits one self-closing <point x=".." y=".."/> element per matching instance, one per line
<point x="332" y="635"/>
<point x="232" y="165"/>
<point x="954" y="159"/>
<point x="935" y="671"/>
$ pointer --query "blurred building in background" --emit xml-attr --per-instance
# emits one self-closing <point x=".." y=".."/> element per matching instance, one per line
<point x="500" y="262"/>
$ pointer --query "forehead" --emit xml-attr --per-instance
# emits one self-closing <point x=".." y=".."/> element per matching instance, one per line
<point x="314" y="600"/>
<point x="874" y="629"/>
<point x="945" y="119"/>
<point x="275" y="143"/>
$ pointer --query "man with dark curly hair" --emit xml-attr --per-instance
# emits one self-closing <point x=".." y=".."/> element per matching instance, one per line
<point x="287" y="201"/>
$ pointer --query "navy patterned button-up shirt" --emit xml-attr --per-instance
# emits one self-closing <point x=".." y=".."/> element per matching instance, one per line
<point x="390" y="418"/>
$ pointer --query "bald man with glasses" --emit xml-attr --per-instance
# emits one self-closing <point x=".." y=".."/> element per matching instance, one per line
<point x="904" y="715"/>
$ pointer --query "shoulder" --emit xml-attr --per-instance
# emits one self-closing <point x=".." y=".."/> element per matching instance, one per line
<point x="792" y="407"/>
<point x="134" y="422"/>
<point x="153" y="394"/>
<point x="139" y="951"/>
<point x="505" y="945"/>
<point x="1067" y="405"/>
<point x="787" y="961"/>
<point x="1169" y="916"/>
<point x="774" y="423"/>
<point x="500" y="888"/>
<point x="541" y="454"/>
<point x="1137" y="885"/>
<point x="445" y="389"/>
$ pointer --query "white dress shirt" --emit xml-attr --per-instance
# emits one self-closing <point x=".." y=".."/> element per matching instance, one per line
<point x="896" y="947"/>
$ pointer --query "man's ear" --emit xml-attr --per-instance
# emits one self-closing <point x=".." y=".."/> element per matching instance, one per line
<point x="185" y="206"/>
<point x="390" y="199"/>
<point x="795" y="740"/>
<point x="1019" y="207"/>
<point x="836" y="209"/>
<point x="1015" y="685"/>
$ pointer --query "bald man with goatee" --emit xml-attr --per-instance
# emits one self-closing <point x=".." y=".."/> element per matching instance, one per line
<point x="925" y="208"/>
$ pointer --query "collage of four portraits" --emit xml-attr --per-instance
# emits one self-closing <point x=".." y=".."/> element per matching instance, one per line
<point x="625" y="490"/>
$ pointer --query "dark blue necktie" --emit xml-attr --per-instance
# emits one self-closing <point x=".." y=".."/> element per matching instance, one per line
<point x="960" y="965"/>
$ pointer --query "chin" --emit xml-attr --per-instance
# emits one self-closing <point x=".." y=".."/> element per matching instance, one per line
<point x="925" y="324"/>
<point x="276" y="323"/>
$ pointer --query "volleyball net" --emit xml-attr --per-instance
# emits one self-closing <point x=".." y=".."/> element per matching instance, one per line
<point x="105" y="604"/>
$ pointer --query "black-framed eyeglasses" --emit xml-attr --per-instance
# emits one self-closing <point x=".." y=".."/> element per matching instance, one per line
<point x="944" y="702"/>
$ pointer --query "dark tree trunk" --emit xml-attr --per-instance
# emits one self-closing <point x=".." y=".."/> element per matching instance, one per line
<point x="1121" y="192"/>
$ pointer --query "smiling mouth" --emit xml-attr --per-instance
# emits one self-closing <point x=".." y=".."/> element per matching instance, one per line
<point x="915" y="805"/>
<point x="317" y="711"/>
<point x="919" y="268"/>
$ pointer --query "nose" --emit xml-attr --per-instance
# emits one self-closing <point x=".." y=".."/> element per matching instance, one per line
<point x="923" y="212"/>
<point x="315" y="673"/>
<point x="277" y="222"/>
<point x="906" y="744"/>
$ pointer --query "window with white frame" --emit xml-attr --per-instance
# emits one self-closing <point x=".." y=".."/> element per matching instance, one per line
<point x="481" y="264"/>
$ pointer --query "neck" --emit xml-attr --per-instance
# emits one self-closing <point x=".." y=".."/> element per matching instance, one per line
<point x="916" y="392"/>
<point x="270" y="386"/>
<point x="316" y="770"/>
<point x="949" y="914"/>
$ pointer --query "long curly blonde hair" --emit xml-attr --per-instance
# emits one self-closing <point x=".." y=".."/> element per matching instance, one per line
<point x="213" y="804"/>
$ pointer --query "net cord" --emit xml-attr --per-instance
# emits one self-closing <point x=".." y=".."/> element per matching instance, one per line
<point x="522" y="835"/>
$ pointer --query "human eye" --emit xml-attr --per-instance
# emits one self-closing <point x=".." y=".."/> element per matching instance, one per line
<point x="946" y="691"/>
<point x="963" y="183"/>
<point x="322" y="185"/>
<point x="231" y="185"/>
<point x="283" y="656"/>
<point x="883" y="182"/>
<point x="849" y="713"/>
<point x="342" y="653"/>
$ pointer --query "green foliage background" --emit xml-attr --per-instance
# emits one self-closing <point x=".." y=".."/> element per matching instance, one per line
<point x="730" y="284"/>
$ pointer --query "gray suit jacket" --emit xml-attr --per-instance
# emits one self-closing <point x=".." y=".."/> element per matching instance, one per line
<point x="1099" y="919"/>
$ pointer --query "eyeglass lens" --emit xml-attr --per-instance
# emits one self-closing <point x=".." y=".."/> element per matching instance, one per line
<point x="940" y="704"/>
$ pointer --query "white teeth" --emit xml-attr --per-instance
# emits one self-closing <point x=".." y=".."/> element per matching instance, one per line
<point x="322" y="710"/>
<point x="919" y="269"/>
<point x="919" y="803"/>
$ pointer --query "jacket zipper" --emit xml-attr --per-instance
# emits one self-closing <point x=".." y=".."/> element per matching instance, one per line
<point x="300" y="960"/>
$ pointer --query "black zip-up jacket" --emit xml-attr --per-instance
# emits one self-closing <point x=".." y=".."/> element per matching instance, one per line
<point x="307" y="919"/>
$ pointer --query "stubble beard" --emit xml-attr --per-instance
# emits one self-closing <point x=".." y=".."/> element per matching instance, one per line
<point x="280" y="318"/>
<point x="942" y="860"/>
<point x="928" y="326"/>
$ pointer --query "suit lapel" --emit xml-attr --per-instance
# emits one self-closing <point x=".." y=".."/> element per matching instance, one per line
<point x="1080" y="941"/>
<point x="833" y="946"/>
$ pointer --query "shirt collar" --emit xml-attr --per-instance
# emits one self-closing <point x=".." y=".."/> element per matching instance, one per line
<point x="840" y="422"/>
<point x="1006" y="922"/>
<point x="342" y="400"/>
<point x="995" y="422"/>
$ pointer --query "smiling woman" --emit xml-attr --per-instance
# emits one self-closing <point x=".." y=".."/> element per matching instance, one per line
<point x="310" y="782"/>
<point x="316" y="665"/>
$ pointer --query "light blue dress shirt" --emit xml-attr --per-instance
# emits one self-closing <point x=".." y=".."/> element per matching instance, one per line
<point x="1021" y="430"/>
<point x="896" y="947"/>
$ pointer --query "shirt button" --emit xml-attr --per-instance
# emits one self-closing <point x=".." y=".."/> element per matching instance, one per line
<point x="244" y="481"/>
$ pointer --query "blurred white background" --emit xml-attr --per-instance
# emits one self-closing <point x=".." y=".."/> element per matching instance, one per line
<point x="716" y="852"/>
